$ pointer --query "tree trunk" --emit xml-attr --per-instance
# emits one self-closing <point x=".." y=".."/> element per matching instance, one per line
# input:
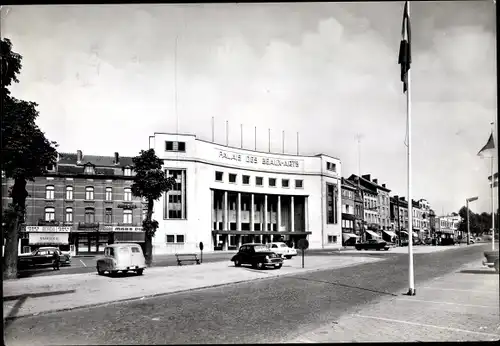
<point x="19" y="195"/>
<point x="148" y="237"/>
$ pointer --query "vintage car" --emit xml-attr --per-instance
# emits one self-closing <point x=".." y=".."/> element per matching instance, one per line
<point x="42" y="256"/>
<point x="492" y="259"/>
<point x="372" y="244"/>
<point x="257" y="255"/>
<point x="282" y="249"/>
<point x="121" y="257"/>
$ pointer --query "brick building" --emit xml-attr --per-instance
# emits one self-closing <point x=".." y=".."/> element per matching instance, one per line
<point x="348" y="192"/>
<point x="82" y="204"/>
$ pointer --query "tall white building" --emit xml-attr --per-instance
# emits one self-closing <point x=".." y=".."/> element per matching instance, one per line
<point x="227" y="196"/>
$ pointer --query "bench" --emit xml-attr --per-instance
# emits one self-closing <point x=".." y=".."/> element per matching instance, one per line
<point x="187" y="257"/>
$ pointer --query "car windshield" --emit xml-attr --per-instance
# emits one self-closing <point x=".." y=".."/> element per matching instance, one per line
<point x="261" y="248"/>
<point x="283" y="245"/>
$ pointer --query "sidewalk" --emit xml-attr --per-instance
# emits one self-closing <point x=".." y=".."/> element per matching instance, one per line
<point x="417" y="249"/>
<point x="461" y="306"/>
<point x="32" y="296"/>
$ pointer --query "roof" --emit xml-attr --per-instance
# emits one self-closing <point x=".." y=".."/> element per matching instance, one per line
<point x="98" y="161"/>
<point x="252" y="244"/>
<point x="371" y="183"/>
<point x="347" y="184"/>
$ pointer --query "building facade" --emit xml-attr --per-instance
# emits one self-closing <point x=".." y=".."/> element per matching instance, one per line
<point x="82" y="204"/>
<point x="348" y="212"/>
<point x="227" y="196"/>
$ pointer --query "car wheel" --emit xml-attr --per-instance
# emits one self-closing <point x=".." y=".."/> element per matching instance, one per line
<point x="140" y="271"/>
<point x="237" y="263"/>
<point x="278" y="266"/>
<point x="259" y="265"/>
<point x="497" y="269"/>
<point x="100" y="272"/>
<point x="114" y="272"/>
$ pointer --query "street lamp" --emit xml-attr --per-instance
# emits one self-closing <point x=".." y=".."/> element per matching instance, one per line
<point x="471" y="199"/>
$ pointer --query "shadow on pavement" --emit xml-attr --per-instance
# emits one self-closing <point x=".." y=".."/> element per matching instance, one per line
<point x="478" y="271"/>
<point x="21" y="299"/>
<point x="27" y="273"/>
<point x="344" y="285"/>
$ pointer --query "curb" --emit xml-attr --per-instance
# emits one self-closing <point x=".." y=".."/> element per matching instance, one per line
<point x="86" y="306"/>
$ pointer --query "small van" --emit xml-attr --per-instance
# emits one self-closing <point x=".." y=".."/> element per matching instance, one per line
<point x="122" y="257"/>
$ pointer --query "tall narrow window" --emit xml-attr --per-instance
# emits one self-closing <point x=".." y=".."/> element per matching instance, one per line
<point x="127" y="216"/>
<point x="175" y="199"/>
<point x="89" y="193"/>
<point x="144" y="214"/>
<point x="69" y="193"/>
<point x="108" y="216"/>
<point x="89" y="215"/>
<point x="127" y="171"/>
<point x="50" y="214"/>
<point x="127" y="195"/>
<point x="69" y="215"/>
<point x="49" y="192"/>
<point x="109" y="194"/>
<point x="331" y="203"/>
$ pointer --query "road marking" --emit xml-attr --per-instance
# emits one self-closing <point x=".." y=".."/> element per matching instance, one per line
<point x="83" y="263"/>
<point x="449" y="303"/>
<point x="455" y="289"/>
<point x="428" y="325"/>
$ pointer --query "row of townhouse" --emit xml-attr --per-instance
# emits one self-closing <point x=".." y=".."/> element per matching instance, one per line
<point x="368" y="211"/>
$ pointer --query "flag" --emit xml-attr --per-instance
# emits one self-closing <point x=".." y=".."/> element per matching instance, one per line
<point x="489" y="149"/>
<point x="495" y="180"/>
<point x="405" y="48"/>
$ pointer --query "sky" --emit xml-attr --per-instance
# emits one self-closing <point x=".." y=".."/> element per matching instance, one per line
<point x="106" y="77"/>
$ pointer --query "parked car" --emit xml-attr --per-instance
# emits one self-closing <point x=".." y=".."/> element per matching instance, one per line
<point x="447" y="241"/>
<point x="372" y="244"/>
<point x="122" y="257"/>
<point x="428" y="241"/>
<point x="492" y="260"/>
<point x="257" y="255"/>
<point x="282" y="249"/>
<point x="43" y="256"/>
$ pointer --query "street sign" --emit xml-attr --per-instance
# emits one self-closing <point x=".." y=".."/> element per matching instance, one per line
<point x="201" y="245"/>
<point x="303" y="244"/>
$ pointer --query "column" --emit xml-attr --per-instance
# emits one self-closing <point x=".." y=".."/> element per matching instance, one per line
<point x="214" y="211"/>
<point x="226" y="216"/>
<point x="306" y="214"/>
<point x="265" y="213"/>
<point x="183" y="194"/>
<point x="278" y="219"/>
<point x="238" y="206"/>
<point x="292" y="214"/>
<point x="252" y="212"/>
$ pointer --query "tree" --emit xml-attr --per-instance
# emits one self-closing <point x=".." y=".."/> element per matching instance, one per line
<point x="150" y="182"/>
<point x="26" y="153"/>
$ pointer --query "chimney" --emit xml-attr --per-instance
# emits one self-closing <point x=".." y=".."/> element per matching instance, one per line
<point x="383" y="185"/>
<point x="79" y="156"/>
<point x="375" y="181"/>
<point x="117" y="158"/>
<point x="366" y="176"/>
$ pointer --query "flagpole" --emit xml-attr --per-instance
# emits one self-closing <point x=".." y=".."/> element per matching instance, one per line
<point x="411" y="278"/>
<point x="492" y="204"/>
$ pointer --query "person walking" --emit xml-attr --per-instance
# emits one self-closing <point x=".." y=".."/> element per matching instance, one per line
<point x="57" y="260"/>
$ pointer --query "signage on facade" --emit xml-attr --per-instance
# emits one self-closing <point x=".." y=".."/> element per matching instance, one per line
<point x="126" y="229"/>
<point x="127" y="206"/>
<point x="257" y="160"/>
<point x="49" y="229"/>
<point x="48" y="238"/>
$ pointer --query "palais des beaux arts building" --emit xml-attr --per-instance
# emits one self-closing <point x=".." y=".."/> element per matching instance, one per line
<point x="223" y="197"/>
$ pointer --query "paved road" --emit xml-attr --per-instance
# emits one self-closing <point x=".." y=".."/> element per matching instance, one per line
<point x="271" y="311"/>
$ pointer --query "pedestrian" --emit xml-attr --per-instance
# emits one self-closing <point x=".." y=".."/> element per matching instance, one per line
<point x="57" y="260"/>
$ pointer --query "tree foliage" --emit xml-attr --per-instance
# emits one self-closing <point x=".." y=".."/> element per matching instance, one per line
<point x="26" y="152"/>
<point x="150" y="183"/>
<point x="478" y="223"/>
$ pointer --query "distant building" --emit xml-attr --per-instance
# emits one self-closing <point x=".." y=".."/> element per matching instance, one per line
<point x="445" y="226"/>
<point x="82" y="204"/>
<point x="399" y="216"/>
<point x="348" y="212"/>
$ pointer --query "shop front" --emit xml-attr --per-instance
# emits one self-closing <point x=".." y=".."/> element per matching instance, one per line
<point x="40" y="236"/>
<point x="128" y="234"/>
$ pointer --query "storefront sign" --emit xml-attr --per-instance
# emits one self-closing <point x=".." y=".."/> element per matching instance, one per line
<point x="48" y="238"/>
<point x="257" y="160"/>
<point x="127" y="206"/>
<point x="126" y="229"/>
<point x="49" y="229"/>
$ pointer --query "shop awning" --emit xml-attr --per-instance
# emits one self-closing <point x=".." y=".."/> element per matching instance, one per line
<point x="373" y="234"/>
<point x="347" y="236"/>
<point x="390" y="233"/>
<point x="414" y="234"/>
